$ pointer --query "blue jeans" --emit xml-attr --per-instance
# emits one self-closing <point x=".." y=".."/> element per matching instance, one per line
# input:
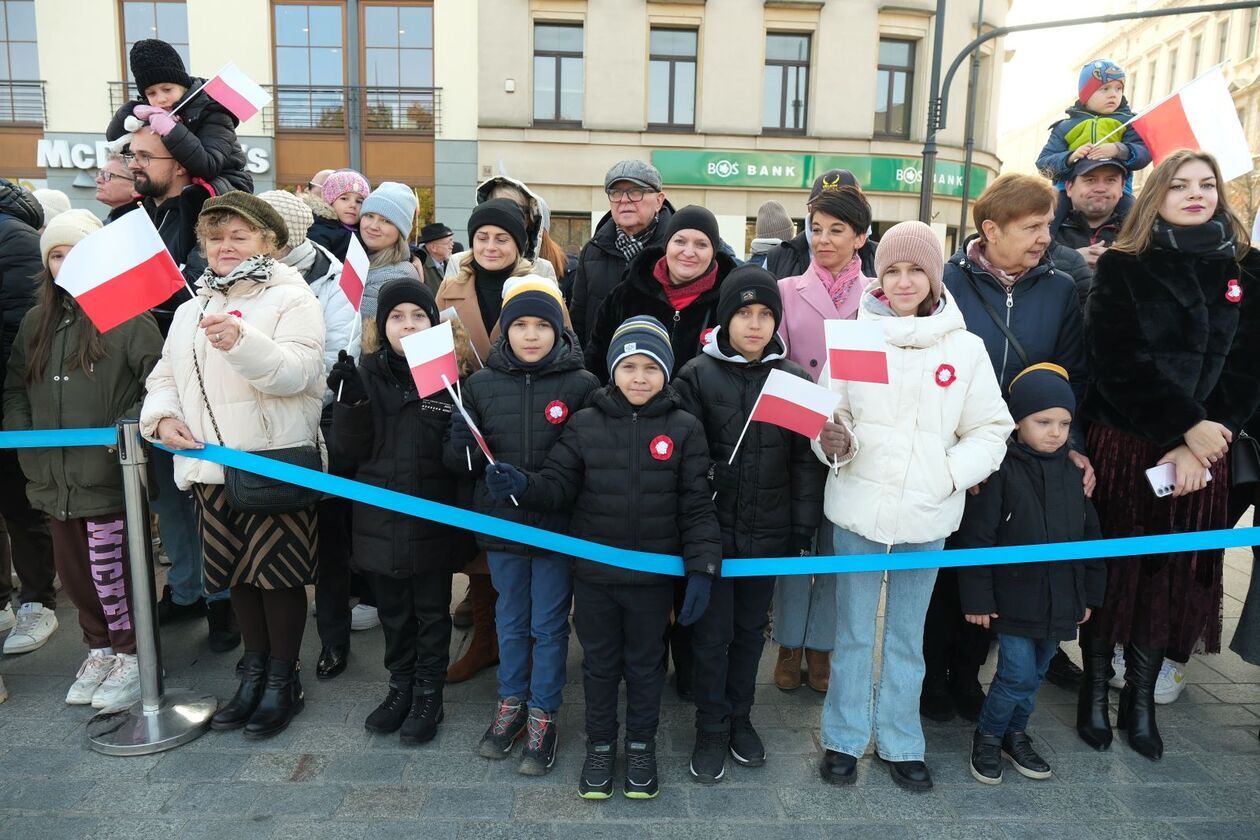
<point x="805" y="605"/>
<point x="851" y="706"/>
<point x="1012" y="696"/>
<point x="177" y="523"/>
<point x="534" y="598"/>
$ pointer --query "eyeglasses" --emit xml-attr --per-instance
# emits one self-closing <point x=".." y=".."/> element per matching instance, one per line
<point x="107" y="176"/>
<point x="634" y="196"/>
<point x="143" y="158"/>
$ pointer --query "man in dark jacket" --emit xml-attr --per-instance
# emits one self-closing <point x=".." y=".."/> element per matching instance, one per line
<point x="637" y="219"/>
<point x="436" y="241"/>
<point x="116" y="188"/>
<point x="1094" y="189"/>
<point x="792" y="257"/>
<point x="29" y="547"/>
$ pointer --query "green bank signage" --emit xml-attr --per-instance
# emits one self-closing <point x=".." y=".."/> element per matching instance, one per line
<point x="797" y="172"/>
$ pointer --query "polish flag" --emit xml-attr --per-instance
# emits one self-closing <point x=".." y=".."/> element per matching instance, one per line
<point x="431" y="356"/>
<point x="237" y="92"/>
<point x="120" y="271"/>
<point x="856" y="351"/>
<point x="1200" y="116"/>
<point x="354" y="272"/>
<point x="795" y="403"/>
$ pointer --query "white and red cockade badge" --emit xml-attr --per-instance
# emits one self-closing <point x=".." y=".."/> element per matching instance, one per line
<point x="946" y="375"/>
<point x="1233" y="291"/>
<point x="661" y="447"/>
<point x="556" y="412"/>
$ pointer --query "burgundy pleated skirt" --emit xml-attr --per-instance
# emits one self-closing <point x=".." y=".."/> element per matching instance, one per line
<point x="1162" y="601"/>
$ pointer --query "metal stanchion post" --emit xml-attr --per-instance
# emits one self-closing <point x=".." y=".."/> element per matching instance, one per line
<point x="160" y="721"/>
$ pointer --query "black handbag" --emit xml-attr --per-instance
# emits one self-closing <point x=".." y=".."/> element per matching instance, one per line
<point x="249" y="492"/>
<point x="1244" y="460"/>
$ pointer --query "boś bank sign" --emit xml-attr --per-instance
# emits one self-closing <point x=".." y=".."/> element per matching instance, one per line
<point x="773" y="170"/>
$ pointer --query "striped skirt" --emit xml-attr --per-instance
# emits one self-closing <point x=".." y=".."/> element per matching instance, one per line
<point x="268" y="551"/>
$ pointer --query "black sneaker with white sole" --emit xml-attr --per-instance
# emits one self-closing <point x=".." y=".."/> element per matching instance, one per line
<point x="1017" y="747"/>
<point x="986" y="758"/>
<point x="745" y="744"/>
<point x="641" y="770"/>
<point x="541" y="737"/>
<point x="596" y="781"/>
<point x="507" y="727"/>
<point x="708" y="758"/>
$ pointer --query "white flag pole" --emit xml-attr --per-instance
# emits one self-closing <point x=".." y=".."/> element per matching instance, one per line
<point x="469" y="421"/>
<point x="747" y="422"/>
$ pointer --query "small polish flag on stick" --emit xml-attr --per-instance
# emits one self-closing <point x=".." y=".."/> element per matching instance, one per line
<point x="354" y="272"/>
<point x="120" y="271"/>
<point x="235" y="91"/>
<point x="431" y="356"/>
<point x="856" y="351"/>
<point x="793" y="403"/>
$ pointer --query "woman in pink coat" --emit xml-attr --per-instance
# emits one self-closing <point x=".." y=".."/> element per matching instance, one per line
<point x="830" y="288"/>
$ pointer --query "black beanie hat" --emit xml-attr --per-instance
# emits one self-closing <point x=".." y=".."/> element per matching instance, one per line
<point x="405" y="291"/>
<point x="500" y="212"/>
<point x="695" y="217"/>
<point x="154" y="62"/>
<point x="1039" y="387"/>
<point x="746" y="285"/>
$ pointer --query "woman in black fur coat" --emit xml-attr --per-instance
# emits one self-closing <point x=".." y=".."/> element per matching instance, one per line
<point x="1172" y="329"/>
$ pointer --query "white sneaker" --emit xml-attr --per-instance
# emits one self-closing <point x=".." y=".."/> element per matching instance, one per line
<point x="1117" y="665"/>
<point x="91" y="674"/>
<point x="121" y="686"/>
<point x="33" y="627"/>
<point x="363" y="617"/>
<point x="1170" y="683"/>
<point x="7" y="618"/>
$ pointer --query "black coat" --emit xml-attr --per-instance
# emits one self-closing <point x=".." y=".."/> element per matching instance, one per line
<point x="397" y="441"/>
<point x="21" y="216"/>
<point x="791" y="258"/>
<point x="203" y="141"/>
<point x="600" y="267"/>
<point x="769" y="502"/>
<point x="511" y="408"/>
<point x="1168" y="348"/>
<point x="176" y="222"/>
<point x="332" y="234"/>
<point x="1033" y="499"/>
<point x="640" y="294"/>
<point x="635" y="479"/>
<point x="1073" y="265"/>
<point x="1075" y="231"/>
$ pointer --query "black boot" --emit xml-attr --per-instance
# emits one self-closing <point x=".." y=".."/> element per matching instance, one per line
<point x="1137" y="700"/>
<point x="387" y="717"/>
<point x="1093" y="717"/>
<point x="425" y="714"/>
<point x="238" y="710"/>
<point x="281" y="700"/>
<point x="935" y="700"/>
<point x="225" y="635"/>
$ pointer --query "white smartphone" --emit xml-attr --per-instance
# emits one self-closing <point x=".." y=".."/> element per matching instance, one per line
<point x="1163" y="479"/>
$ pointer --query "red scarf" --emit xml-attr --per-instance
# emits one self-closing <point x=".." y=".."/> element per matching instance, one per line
<point x="680" y="297"/>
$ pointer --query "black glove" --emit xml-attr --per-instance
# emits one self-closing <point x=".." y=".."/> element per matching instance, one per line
<point x="723" y="477"/>
<point x="802" y="543"/>
<point x="343" y="380"/>
<point x="461" y="435"/>
<point x="504" y="481"/>
<point x="695" y="598"/>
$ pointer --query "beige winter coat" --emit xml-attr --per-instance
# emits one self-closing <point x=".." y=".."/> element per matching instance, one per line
<point x="266" y="391"/>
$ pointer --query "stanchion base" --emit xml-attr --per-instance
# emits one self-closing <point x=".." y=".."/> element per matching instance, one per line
<point x="181" y="717"/>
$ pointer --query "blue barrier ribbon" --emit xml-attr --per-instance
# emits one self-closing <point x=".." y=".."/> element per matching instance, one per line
<point x="659" y="563"/>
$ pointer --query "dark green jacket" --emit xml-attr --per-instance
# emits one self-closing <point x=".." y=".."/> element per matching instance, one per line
<point x="85" y="481"/>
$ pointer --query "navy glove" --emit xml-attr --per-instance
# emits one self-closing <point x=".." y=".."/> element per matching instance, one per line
<point x="696" y="598"/>
<point x="461" y="435"/>
<point x="803" y="543"/>
<point x="504" y="480"/>
<point x="343" y="380"/>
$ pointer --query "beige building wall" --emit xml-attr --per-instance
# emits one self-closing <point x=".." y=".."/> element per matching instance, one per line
<point x="232" y="30"/>
<point x="455" y="67"/>
<point x="79" y="45"/>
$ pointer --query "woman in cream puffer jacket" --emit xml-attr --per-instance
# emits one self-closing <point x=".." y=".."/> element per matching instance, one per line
<point x="903" y="455"/>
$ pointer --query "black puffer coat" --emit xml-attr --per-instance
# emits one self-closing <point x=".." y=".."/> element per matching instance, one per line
<point x="600" y="267"/>
<point x="176" y="222"/>
<point x="769" y="502"/>
<point x="521" y="414"/>
<point x="1033" y="499"/>
<point x="396" y="439"/>
<point x="641" y="294"/>
<point x="791" y="258"/>
<point x="1170" y="344"/>
<point x="203" y="141"/>
<point x="21" y="217"/>
<point x="635" y="479"/>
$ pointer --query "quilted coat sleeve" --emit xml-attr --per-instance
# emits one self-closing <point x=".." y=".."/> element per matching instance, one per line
<point x="203" y="152"/>
<point x="983" y="426"/>
<point x="556" y="485"/>
<point x="144" y="350"/>
<point x="286" y="362"/>
<point x="352" y="429"/>
<point x="979" y="529"/>
<point x="161" y="398"/>
<point x="697" y="517"/>
<point x="1052" y="162"/>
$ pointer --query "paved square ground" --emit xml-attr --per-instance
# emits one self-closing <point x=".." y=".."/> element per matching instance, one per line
<point x="326" y="777"/>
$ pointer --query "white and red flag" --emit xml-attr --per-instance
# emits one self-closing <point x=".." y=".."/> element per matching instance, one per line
<point x="354" y="273"/>
<point x="237" y="92"/>
<point x="431" y="356"/>
<point x="794" y="403"/>
<point x="856" y="351"/>
<point x="1200" y="116"/>
<point x="120" y="271"/>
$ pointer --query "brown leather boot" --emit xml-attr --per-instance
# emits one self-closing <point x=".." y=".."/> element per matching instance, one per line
<point x="818" y="663"/>
<point x="462" y="617"/>
<point x="787" y="671"/>
<point x="483" y="650"/>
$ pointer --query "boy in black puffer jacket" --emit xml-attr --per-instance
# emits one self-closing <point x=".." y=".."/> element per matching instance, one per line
<point x="769" y="504"/>
<point x="632" y="468"/>
<point x="1036" y="497"/>
<point x="532" y="383"/>
<point x="396" y="437"/>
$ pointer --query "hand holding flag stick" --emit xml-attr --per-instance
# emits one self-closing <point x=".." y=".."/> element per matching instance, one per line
<point x="234" y="91"/>
<point x="353" y="279"/>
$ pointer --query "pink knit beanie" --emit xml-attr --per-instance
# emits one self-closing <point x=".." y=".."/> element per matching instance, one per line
<point x="344" y="181"/>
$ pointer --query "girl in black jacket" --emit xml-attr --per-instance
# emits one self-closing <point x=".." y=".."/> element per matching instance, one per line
<point x="632" y="468"/>
<point x="396" y="438"/>
<point x="1036" y="497"/>
<point x="769" y="503"/>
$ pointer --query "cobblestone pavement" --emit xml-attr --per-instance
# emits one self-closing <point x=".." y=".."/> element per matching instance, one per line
<point x="327" y="777"/>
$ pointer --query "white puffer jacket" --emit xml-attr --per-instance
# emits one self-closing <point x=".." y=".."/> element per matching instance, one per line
<point x="340" y="319"/>
<point x="937" y="428"/>
<point x="266" y="391"/>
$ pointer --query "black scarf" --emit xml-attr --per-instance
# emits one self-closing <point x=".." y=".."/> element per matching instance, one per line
<point x="1210" y="240"/>
<point x="630" y="244"/>
<point x="400" y="370"/>
<point x="489" y="286"/>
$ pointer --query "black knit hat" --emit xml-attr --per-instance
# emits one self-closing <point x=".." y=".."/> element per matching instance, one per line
<point x="1038" y="388"/>
<point x="252" y="209"/>
<point x="694" y="217"/>
<point x="503" y="213"/>
<point x="154" y="62"/>
<point x="405" y="291"/>
<point x="744" y="286"/>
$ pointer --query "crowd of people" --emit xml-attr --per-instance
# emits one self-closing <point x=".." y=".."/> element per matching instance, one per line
<point x="1023" y="405"/>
